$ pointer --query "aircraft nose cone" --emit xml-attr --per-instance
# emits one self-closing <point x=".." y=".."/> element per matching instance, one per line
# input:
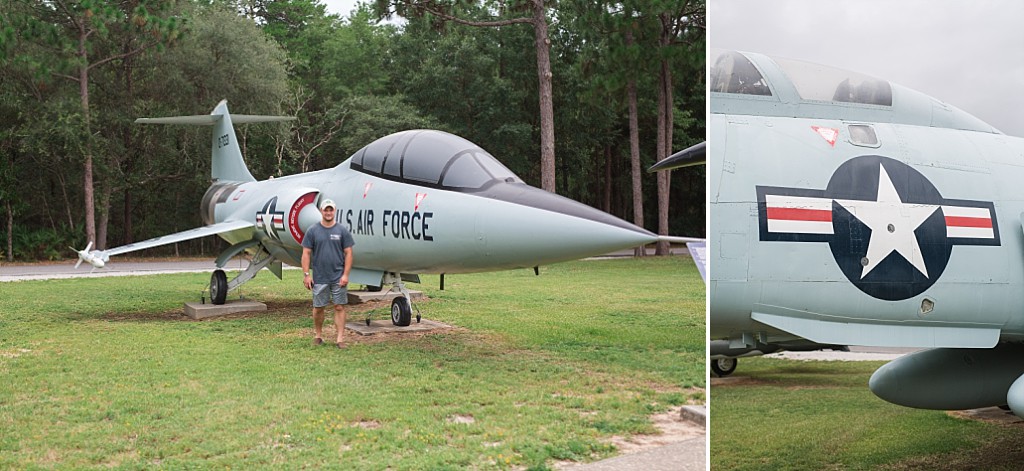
<point x="550" y="228"/>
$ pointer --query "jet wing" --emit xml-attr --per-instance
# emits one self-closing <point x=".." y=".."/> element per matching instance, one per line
<point x="884" y="335"/>
<point x="190" y="234"/>
<point x="693" y="155"/>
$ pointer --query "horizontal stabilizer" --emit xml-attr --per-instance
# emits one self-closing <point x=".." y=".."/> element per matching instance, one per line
<point x="883" y="335"/>
<point x="210" y="119"/>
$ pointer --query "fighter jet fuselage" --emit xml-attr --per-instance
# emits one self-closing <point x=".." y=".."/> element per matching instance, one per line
<point x="418" y="201"/>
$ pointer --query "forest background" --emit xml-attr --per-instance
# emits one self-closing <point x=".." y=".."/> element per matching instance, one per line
<point x="626" y="88"/>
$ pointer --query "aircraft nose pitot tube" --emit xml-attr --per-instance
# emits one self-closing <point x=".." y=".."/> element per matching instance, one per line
<point x="954" y="379"/>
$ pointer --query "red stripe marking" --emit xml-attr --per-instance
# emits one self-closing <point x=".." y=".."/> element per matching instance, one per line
<point x="799" y="214"/>
<point x="959" y="221"/>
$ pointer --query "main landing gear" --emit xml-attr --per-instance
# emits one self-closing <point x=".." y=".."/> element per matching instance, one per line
<point x="220" y="286"/>
<point x="401" y="306"/>
<point x="723" y="366"/>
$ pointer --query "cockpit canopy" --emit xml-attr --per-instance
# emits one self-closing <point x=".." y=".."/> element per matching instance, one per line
<point x="755" y="84"/>
<point x="732" y="72"/>
<point x="431" y="158"/>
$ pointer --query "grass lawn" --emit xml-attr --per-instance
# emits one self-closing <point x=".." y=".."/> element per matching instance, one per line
<point x="108" y="372"/>
<point x="784" y="414"/>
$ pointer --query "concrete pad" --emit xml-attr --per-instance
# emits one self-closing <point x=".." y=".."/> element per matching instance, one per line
<point x="697" y="415"/>
<point x="688" y="455"/>
<point x="206" y="311"/>
<point x="385" y="326"/>
<point x="359" y="297"/>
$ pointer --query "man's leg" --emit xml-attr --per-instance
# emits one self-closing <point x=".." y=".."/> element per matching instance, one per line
<point x="339" y="320"/>
<point x="318" y="322"/>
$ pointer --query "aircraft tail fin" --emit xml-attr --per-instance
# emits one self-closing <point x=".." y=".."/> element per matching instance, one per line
<point x="227" y="161"/>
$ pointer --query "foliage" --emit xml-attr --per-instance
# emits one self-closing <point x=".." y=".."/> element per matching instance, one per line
<point x="111" y="374"/>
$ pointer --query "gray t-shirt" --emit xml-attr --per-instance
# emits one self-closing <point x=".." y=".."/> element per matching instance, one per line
<point x="328" y="258"/>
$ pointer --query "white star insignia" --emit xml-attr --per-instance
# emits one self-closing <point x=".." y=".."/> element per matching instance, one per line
<point x="892" y="223"/>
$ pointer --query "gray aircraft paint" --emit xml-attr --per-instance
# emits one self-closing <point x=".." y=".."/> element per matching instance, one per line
<point x="791" y="286"/>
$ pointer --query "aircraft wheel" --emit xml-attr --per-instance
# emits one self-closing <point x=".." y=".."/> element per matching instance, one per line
<point x="367" y="322"/>
<point x="372" y="288"/>
<point x="401" y="313"/>
<point x="218" y="287"/>
<point x="724" y="367"/>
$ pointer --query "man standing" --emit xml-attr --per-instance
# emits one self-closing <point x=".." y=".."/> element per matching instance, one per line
<point x="329" y="245"/>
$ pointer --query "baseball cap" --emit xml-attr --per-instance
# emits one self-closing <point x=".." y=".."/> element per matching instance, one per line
<point x="327" y="203"/>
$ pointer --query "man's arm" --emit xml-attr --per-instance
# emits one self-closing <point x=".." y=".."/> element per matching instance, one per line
<point x="306" y="279"/>
<point x="348" y="267"/>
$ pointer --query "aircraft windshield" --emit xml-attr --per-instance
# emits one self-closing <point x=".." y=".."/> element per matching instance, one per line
<point x="822" y="83"/>
<point x="733" y="73"/>
<point x="431" y="158"/>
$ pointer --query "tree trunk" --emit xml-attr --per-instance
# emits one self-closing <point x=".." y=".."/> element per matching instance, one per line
<point x="665" y="117"/>
<point x="662" y="247"/>
<point x="128" y="166"/>
<point x="547" y="114"/>
<point x="634" y="156"/>
<point x="87" y="186"/>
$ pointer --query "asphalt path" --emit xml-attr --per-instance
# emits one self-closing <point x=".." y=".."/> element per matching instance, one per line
<point x="113" y="268"/>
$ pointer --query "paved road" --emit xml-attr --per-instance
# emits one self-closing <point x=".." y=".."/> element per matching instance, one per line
<point x="114" y="268"/>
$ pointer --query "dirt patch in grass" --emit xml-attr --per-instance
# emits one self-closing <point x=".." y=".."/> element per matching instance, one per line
<point x="671" y="429"/>
<point x="1006" y="452"/>
<point x="733" y="381"/>
<point x="991" y="415"/>
<point x="803" y="387"/>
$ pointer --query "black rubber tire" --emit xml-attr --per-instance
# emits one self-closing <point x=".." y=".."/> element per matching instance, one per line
<point x="372" y="288"/>
<point x="218" y="287"/>
<point x="401" y="312"/>
<point x="367" y="322"/>
<point x="724" y="366"/>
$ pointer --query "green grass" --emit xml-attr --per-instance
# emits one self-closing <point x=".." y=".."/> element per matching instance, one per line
<point x="108" y="372"/>
<point x="779" y="414"/>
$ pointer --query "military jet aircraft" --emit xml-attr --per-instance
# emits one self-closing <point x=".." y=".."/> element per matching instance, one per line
<point x="849" y="210"/>
<point x="416" y="202"/>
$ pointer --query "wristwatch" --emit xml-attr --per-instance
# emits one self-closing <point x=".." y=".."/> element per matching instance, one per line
<point x="306" y="274"/>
